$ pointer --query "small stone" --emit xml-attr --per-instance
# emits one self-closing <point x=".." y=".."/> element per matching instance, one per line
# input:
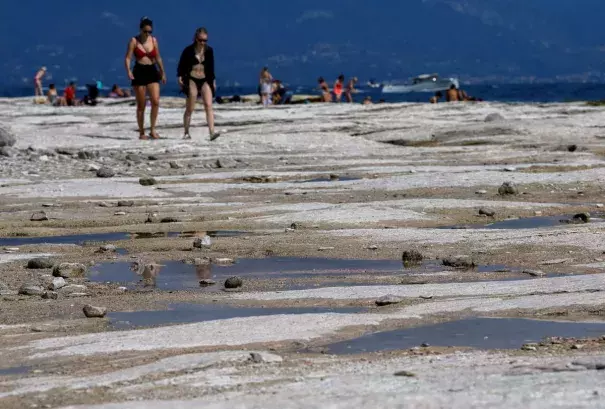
<point x="50" y="295"/>
<point x="150" y="218"/>
<point x="207" y="282"/>
<point x="202" y="242"/>
<point x="572" y="148"/>
<point x="534" y="273"/>
<point x="38" y="217"/>
<point x="125" y="203"/>
<point x="256" y="357"/>
<point x="510" y="169"/>
<point x="83" y="154"/>
<point x="334" y="176"/>
<point x="11" y="249"/>
<point x="494" y="117"/>
<point x="223" y="261"/>
<point x="325" y="248"/>
<point x="373" y="247"/>
<point x="105" y="172"/>
<point x="120" y="213"/>
<point x="7" y="138"/>
<point x="481" y="192"/>
<point x="69" y="270"/>
<point x="94" y="312"/>
<point x="406" y="374"/>
<point x="107" y="248"/>
<point x="600" y="205"/>
<point x="169" y="220"/>
<point x="459" y="262"/>
<point x="529" y="347"/>
<point x="43" y="158"/>
<point x="508" y="188"/>
<point x="152" y="157"/>
<point x="147" y="181"/>
<point x="294" y="226"/>
<point x="31" y="289"/>
<point x="487" y="212"/>
<point x="174" y="165"/>
<point x="424" y="345"/>
<point x="577" y="346"/>
<point x="538" y="213"/>
<point x="224" y="163"/>
<point x="581" y="218"/>
<point x="388" y="300"/>
<point x="233" y="282"/>
<point x="57" y="283"/>
<point x="93" y="167"/>
<point x="411" y="258"/>
<point x="104" y="204"/>
<point x="39" y="263"/>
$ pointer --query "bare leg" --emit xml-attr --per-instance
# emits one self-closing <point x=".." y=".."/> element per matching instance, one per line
<point x="38" y="89"/>
<point x="207" y="98"/>
<point x="139" y="92"/>
<point x="189" y="107"/>
<point x="154" y="98"/>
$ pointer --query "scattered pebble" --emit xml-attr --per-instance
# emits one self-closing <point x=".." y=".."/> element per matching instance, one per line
<point x="406" y="374"/>
<point x="233" y="282"/>
<point x="120" y="213"/>
<point x="38" y="217"/>
<point x="388" y="300"/>
<point x="373" y="247"/>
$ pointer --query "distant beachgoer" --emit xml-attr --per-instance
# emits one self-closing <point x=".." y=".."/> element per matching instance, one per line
<point x="69" y="94"/>
<point x="117" y="92"/>
<point x="338" y="87"/>
<point x="350" y="89"/>
<point x="266" y="86"/>
<point x="452" y="94"/>
<point x="196" y="77"/>
<point x="435" y="99"/>
<point x="38" y="82"/>
<point x="148" y="71"/>
<point x="367" y="100"/>
<point x="281" y="94"/>
<point x="325" y="90"/>
<point x="52" y="95"/>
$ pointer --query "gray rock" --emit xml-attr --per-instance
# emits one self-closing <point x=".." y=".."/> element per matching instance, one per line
<point x="8" y="151"/>
<point x="487" y="212"/>
<point x="226" y="163"/>
<point x="107" y="248"/>
<point x="66" y="151"/>
<point x="581" y="218"/>
<point x="31" y="289"/>
<point x="40" y="263"/>
<point x="508" y="188"/>
<point x="94" y="312"/>
<point x="84" y="154"/>
<point x="152" y="157"/>
<point x="7" y="138"/>
<point x="594" y="365"/>
<point x="57" y="283"/>
<point x="411" y="258"/>
<point x="39" y="217"/>
<point x="494" y="117"/>
<point x="147" y="181"/>
<point x="69" y="270"/>
<point x="106" y="172"/>
<point x="169" y="220"/>
<point x="175" y="165"/>
<point x="133" y="157"/>
<point x="388" y="300"/>
<point x="530" y="347"/>
<point x="481" y="192"/>
<point x="125" y="203"/>
<point x="534" y="273"/>
<point x="93" y="167"/>
<point x="256" y="358"/>
<point x="459" y="262"/>
<point x="74" y="288"/>
<point x="50" y="295"/>
<point x="234" y="282"/>
<point x="406" y="374"/>
<point x="207" y="282"/>
<point x="202" y="242"/>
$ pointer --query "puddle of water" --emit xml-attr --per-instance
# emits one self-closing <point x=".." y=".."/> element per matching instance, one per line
<point x="327" y="179"/>
<point x="176" y="275"/>
<point x="526" y="223"/>
<point x="190" y="313"/>
<point x="82" y="239"/>
<point x="481" y="333"/>
<point x="16" y="370"/>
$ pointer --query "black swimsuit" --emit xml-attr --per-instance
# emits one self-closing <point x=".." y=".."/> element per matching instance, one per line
<point x="186" y="63"/>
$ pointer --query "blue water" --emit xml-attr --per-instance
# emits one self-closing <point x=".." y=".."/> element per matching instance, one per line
<point x="561" y="92"/>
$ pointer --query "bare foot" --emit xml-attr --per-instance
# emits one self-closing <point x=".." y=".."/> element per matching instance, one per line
<point x="143" y="137"/>
<point x="187" y="136"/>
<point x="154" y="135"/>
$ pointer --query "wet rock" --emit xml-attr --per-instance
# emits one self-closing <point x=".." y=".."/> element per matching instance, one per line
<point x="69" y="270"/>
<point x="57" y="283"/>
<point x="534" y="273"/>
<point x="388" y="300"/>
<point x="94" y="312"/>
<point x="508" y="188"/>
<point x="147" y="181"/>
<point x="202" y="242"/>
<point x="105" y="172"/>
<point x="39" y="217"/>
<point x="7" y="138"/>
<point x="50" y="295"/>
<point x="107" y="248"/>
<point x="207" y="282"/>
<point x="334" y="176"/>
<point x="169" y="220"/>
<point x="104" y="204"/>
<point x="494" y="117"/>
<point x="581" y="218"/>
<point x="125" y="203"/>
<point x="133" y="157"/>
<point x="411" y="257"/>
<point x="40" y="263"/>
<point x="487" y="212"/>
<point x="406" y="374"/>
<point x="459" y="262"/>
<point x="174" y="165"/>
<point x="234" y="282"/>
<point x="31" y="289"/>
<point x="226" y="163"/>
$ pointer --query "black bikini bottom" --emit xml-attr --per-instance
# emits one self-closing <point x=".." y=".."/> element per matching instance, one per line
<point x="199" y="83"/>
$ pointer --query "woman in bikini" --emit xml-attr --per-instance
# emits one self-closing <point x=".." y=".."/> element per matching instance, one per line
<point x="38" y="82"/>
<point x="338" y="87"/>
<point x="351" y="89"/>
<point x="325" y="90"/>
<point x="148" y="71"/>
<point x="266" y="86"/>
<point x="196" y="78"/>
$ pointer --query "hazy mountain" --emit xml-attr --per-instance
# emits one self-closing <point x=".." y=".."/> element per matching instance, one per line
<point x="301" y="40"/>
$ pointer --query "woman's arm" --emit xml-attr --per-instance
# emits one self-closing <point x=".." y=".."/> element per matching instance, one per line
<point x="159" y="61"/>
<point x="129" y="50"/>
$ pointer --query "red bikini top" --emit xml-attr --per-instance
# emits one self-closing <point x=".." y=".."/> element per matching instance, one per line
<point x="140" y="52"/>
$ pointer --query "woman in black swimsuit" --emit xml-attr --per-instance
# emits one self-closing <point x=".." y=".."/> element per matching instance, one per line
<point x="196" y="78"/>
<point x="147" y="73"/>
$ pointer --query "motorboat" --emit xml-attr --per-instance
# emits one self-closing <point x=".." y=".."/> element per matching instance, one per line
<point x="422" y="83"/>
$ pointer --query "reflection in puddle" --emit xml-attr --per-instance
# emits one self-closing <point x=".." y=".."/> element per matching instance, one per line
<point x="482" y="333"/>
<point x="82" y="239"/>
<point x="15" y="370"/>
<point x="190" y="313"/>
<point x="527" y="223"/>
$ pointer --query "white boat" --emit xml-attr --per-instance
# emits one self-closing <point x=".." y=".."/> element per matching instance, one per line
<point x="422" y="83"/>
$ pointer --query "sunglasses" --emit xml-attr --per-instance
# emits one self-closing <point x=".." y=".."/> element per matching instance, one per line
<point x="201" y="40"/>
<point x="148" y="31"/>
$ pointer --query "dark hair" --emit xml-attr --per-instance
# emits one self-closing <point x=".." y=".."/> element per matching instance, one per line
<point x="145" y="21"/>
<point x="51" y="86"/>
<point x="438" y="94"/>
<point x="198" y="31"/>
<point x="72" y="83"/>
<point x="341" y="77"/>
<point x="320" y="79"/>
<point x="453" y="86"/>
